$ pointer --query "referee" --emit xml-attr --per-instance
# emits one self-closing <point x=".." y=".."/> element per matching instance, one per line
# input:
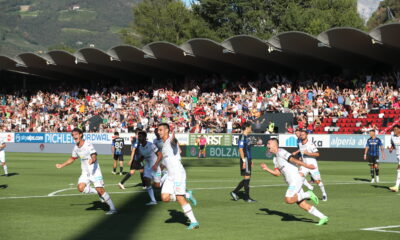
<point x="245" y="164"/>
<point x="372" y="154"/>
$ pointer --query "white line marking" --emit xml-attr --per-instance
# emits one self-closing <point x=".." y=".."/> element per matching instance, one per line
<point x="380" y="229"/>
<point x="136" y="191"/>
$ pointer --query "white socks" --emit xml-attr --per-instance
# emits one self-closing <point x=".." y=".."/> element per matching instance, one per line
<point x="321" y="186"/>
<point x="314" y="211"/>
<point x="397" y="181"/>
<point x="308" y="185"/>
<point x="108" y="200"/>
<point x="89" y="190"/>
<point x="5" y="169"/>
<point x="151" y="193"/>
<point x="187" y="209"/>
<point x="187" y="195"/>
<point x="172" y="198"/>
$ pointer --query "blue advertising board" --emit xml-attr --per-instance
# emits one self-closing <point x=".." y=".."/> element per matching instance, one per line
<point x="351" y="141"/>
<point x="29" y="137"/>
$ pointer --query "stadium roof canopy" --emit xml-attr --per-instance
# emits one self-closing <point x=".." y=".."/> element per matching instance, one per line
<point x="336" y="47"/>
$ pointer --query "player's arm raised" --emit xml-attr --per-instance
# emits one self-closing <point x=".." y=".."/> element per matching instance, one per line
<point x="274" y="172"/>
<point x="300" y="163"/>
<point x="66" y="163"/>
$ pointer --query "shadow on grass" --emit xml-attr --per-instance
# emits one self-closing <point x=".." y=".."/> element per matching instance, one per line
<point x="378" y="186"/>
<point x="177" y="217"/>
<point x="3" y="186"/>
<point x="362" y="179"/>
<point x="285" y="216"/>
<point x="11" y="174"/>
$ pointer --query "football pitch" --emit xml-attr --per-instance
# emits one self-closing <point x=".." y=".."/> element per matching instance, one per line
<point x="39" y="201"/>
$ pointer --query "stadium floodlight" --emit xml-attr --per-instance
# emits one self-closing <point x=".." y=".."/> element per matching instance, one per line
<point x="374" y="41"/>
<point x="321" y="44"/>
<point x="188" y="54"/>
<point x="225" y="51"/>
<point x="271" y="49"/>
<point x="149" y="56"/>
<point x="114" y="59"/>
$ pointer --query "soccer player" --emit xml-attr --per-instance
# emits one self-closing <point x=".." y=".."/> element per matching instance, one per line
<point x="372" y="154"/>
<point x="395" y="145"/>
<point x="298" y="156"/>
<point x="116" y="149"/>
<point x="134" y="163"/>
<point x="174" y="187"/>
<point x="3" y="157"/>
<point x="309" y="153"/>
<point x="245" y="164"/>
<point x="285" y="164"/>
<point x="150" y="153"/>
<point x="91" y="172"/>
<point x="202" y="142"/>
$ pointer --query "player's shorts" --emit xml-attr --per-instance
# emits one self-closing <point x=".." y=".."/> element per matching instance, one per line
<point x="372" y="159"/>
<point x="314" y="173"/>
<point x="202" y="147"/>
<point x="398" y="159"/>
<point x="119" y="157"/>
<point x="137" y="165"/>
<point x="247" y="170"/>
<point x="294" y="187"/>
<point x="155" y="175"/>
<point x="175" y="185"/>
<point x="2" y="156"/>
<point x="96" y="179"/>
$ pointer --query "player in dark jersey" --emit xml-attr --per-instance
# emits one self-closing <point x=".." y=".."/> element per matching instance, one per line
<point x="372" y="154"/>
<point x="134" y="163"/>
<point x="116" y="149"/>
<point x="245" y="164"/>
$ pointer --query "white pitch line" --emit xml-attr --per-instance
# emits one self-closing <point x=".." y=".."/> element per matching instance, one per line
<point x="380" y="229"/>
<point x="136" y="191"/>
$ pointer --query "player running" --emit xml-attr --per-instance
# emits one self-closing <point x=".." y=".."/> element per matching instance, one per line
<point x="202" y="142"/>
<point x="371" y="154"/>
<point x="3" y="156"/>
<point x="245" y="164"/>
<point x="285" y="164"/>
<point x="135" y="164"/>
<point x="174" y="187"/>
<point x="150" y="153"/>
<point x="91" y="172"/>
<point x="309" y="153"/>
<point x="395" y="145"/>
<point x="299" y="156"/>
<point x="116" y="150"/>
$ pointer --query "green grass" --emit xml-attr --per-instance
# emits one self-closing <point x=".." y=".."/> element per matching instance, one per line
<point x="77" y="15"/>
<point x="353" y="204"/>
<point x="75" y="30"/>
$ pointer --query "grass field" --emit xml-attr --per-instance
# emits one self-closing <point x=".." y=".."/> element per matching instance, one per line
<point x="27" y="212"/>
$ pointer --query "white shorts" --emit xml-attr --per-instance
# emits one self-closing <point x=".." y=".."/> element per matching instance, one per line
<point x="314" y="173"/>
<point x="175" y="185"/>
<point x="2" y="157"/>
<point x="96" y="179"/>
<point x="155" y="175"/>
<point x="294" y="187"/>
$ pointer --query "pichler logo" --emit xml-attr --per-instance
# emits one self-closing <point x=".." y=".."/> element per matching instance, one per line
<point x="291" y="142"/>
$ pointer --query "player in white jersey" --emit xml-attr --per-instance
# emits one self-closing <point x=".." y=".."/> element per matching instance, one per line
<point x="395" y="145"/>
<point x="159" y="143"/>
<point x="91" y="172"/>
<point x="3" y="156"/>
<point x="285" y="164"/>
<point x="309" y="153"/>
<point x="150" y="154"/>
<point x="174" y="187"/>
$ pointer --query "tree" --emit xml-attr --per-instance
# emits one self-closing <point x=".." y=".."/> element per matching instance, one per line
<point x="164" y="20"/>
<point x="386" y="10"/>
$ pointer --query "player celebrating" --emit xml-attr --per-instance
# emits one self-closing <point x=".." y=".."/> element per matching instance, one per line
<point x="285" y="164"/>
<point x="395" y="145"/>
<point x="372" y="154"/>
<point x="309" y="153"/>
<point x="3" y="157"/>
<point x="134" y="163"/>
<point x="202" y="142"/>
<point x="116" y="149"/>
<point x="245" y="164"/>
<point x="297" y="155"/>
<point x="91" y="172"/>
<point x="151" y="154"/>
<point x="174" y="187"/>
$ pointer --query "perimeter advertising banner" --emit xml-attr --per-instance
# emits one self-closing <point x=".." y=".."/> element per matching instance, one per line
<point x="7" y="137"/>
<point x="212" y="139"/>
<point x="290" y="140"/>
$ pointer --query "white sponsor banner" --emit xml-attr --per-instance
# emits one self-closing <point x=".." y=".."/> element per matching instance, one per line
<point x="290" y="140"/>
<point x="7" y="137"/>
<point x="183" y="138"/>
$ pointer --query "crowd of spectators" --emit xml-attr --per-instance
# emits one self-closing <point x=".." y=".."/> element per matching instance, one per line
<point x="212" y="104"/>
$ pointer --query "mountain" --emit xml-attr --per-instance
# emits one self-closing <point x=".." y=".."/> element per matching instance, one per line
<point x="40" y="25"/>
<point x="367" y="7"/>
